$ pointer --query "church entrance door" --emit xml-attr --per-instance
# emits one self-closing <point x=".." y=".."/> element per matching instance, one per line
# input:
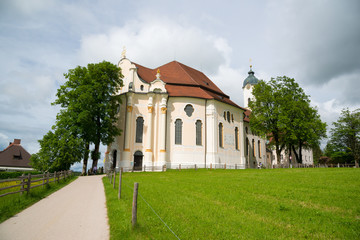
<point x="114" y="159"/>
<point x="138" y="159"/>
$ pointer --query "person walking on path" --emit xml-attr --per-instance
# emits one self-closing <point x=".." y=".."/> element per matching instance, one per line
<point x="77" y="211"/>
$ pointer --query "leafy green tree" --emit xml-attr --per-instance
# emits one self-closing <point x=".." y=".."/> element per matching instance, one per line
<point x="302" y="125"/>
<point x="344" y="143"/>
<point x="265" y="118"/>
<point x="89" y="96"/>
<point x="59" y="149"/>
<point x="282" y="112"/>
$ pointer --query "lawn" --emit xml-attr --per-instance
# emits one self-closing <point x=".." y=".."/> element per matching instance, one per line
<point x="15" y="203"/>
<point x="239" y="204"/>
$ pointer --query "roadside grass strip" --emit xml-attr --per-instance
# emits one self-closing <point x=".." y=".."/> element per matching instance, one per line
<point x="238" y="204"/>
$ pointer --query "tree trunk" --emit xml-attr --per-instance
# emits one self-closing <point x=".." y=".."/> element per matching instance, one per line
<point x="95" y="156"/>
<point x="278" y="154"/>
<point x="300" y="152"/>
<point x="296" y="155"/>
<point x="86" y="157"/>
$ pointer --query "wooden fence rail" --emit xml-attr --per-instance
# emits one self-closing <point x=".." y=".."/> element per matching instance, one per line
<point x="24" y="182"/>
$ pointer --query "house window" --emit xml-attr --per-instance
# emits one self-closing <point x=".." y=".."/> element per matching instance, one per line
<point x="228" y="116"/>
<point x="198" y="132"/>
<point x="253" y="146"/>
<point x="236" y="138"/>
<point x="189" y="110"/>
<point x="259" y="148"/>
<point x="178" y="131"/>
<point x="139" y="129"/>
<point x="221" y="133"/>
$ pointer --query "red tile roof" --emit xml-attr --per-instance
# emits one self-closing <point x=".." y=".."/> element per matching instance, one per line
<point x="15" y="156"/>
<point x="184" y="81"/>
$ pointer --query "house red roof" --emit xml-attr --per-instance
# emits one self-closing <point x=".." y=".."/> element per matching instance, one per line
<point x="15" y="156"/>
<point x="184" y="81"/>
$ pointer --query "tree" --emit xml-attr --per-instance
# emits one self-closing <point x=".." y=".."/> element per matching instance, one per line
<point x="281" y="111"/>
<point x="59" y="150"/>
<point x="89" y="98"/>
<point x="265" y="113"/>
<point x="344" y="143"/>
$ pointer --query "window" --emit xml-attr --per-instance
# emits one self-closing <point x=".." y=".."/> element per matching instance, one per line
<point x="198" y="132"/>
<point x="142" y="87"/>
<point x="178" y="131"/>
<point x="236" y="138"/>
<point x="221" y="143"/>
<point x="232" y="117"/>
<point x="259" y="148"/>
<point x="247" y="147"/>
<point x="246" y="130"/>
<point x="253" y="146"/>
<point x="189" y="110"/>
<point x="225" y="115"/>
<point x="139" y="129"/>
<point x="228" y="116"/>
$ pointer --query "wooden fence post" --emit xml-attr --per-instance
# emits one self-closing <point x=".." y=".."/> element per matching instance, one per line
<point x="114" y="178"/>
<point x="210" y="166"/>
<point x="22" y="182"/>
<point x="225" y="166"/>
<point x="28" y="183"/>
<point x="134" y="205"/>
<point x="179" y="167"/>
<point x="120" y="179"/>
<point x="55" y="177"/>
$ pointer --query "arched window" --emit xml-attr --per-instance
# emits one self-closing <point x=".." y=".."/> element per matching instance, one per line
<point x="246" y="130"/>
<point x="198" y="132"/>
<point x="139" y="129"/>
<point x="253" y="146"/>
<point x="236" y="138"/>
<point x="247" y="147"/>
<point x="228" y="116"/>
<point x="178" y="131"/>
<point x="259" y="148"/>
<point x="221" y="133"/>
<point x="225" y="115"/>
<point x="189" y="110"/>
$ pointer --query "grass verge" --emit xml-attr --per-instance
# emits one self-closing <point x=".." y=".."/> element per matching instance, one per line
<point x="15" y="203"/>
<point x="239" y="204"/>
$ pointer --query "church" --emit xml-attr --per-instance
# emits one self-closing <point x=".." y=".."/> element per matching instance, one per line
<point x="174" y="116"/>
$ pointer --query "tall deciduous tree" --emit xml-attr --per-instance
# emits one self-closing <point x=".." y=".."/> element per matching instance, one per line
<point x="344" y="143"/>
<point x="281" y="111"/>
<point x="59" y="149"/>
<point x="89" y="96"/>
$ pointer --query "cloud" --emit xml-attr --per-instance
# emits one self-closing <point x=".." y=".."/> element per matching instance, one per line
<point x="316" y="40"/>
<point x="154" y="42"/>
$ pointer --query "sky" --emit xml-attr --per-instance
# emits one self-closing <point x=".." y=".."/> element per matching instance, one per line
<point x="317" y="42"/>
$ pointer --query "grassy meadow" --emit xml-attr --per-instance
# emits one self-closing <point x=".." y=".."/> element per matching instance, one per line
<point x="239" y="204"/>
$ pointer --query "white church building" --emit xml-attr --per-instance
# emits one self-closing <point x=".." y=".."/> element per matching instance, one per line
<point x="175" y="116"/>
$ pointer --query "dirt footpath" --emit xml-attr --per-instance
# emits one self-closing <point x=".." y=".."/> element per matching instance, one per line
<point x="77" y="211"/>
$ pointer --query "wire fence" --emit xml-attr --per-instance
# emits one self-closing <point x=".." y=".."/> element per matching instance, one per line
<point x="112" y="178"/>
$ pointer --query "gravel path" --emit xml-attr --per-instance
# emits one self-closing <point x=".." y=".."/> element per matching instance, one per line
<point x="77" y="211"/>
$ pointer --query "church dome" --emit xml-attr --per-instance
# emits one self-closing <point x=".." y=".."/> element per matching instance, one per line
<point x="251" y="78"/>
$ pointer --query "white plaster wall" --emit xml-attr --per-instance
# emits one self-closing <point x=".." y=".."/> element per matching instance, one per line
<point x="188" y="152"/>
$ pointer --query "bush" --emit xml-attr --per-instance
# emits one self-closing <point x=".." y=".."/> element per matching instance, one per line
<point x="5" y="175"/>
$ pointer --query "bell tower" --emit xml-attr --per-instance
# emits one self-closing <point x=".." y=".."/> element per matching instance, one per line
<point x="248" y="85"/>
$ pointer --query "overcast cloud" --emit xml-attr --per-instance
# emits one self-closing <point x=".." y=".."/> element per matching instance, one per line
<point x="317" y="42"/>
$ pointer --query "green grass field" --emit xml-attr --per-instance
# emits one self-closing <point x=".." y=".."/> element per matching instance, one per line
<point x="239" y="204"/>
